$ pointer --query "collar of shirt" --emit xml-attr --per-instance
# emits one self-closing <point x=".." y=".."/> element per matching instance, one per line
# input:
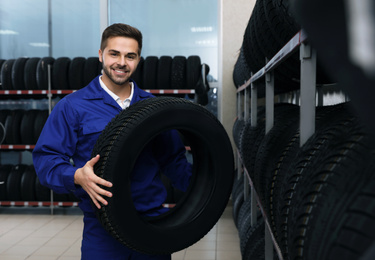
<point x="123" y="104"/>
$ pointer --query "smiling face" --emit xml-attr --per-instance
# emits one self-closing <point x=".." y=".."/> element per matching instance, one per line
<point x="120" y="59"/>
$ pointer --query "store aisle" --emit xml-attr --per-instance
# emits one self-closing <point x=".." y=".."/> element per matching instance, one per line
<point x="34" y="234"/>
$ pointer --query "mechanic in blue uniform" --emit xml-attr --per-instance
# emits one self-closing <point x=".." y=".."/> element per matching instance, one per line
<point x="62" y="155"/>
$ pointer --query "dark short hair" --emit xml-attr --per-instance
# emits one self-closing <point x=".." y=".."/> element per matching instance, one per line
<point x="122" y="30"/>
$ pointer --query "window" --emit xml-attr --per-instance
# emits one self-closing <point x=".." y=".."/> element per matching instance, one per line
<point x="173" y="27"/>
<point x="39" y="28"/>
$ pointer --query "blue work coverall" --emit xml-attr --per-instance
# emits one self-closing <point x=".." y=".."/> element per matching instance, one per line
<point x="70" y="133"/>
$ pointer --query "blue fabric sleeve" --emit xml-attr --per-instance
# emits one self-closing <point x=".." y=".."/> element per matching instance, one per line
<point x="55" y="147"/>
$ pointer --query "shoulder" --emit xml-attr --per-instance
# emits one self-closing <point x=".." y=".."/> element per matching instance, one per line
<point x="140" y="93"/>
<point x="91" y="91"/>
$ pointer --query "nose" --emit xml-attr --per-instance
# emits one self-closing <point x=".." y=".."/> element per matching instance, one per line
<point x="122" y="61"/>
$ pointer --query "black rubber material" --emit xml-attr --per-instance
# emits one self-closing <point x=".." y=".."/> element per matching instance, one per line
<point x="241" y="71"/>
<point x="237" y="185"/>
<point x="310" y="157"/>
<point x="150" y="68"/>
<point x="13" y="185"/>
<point x="138" y="73"/>
<point x="76" y="69"/>
<point x="178" y="74"/>
<point x="18" y="72"/>
<point x="30" y="73"/>
<point x="285" y="123"/>
<point x="40" y="120"/>
<point x="42" y="72"/>
<point x="193" y="74"/>
<point x="248" y="143"/>
<point x="28" y="184"/>
<point x="2" y="133"/>
<point x="4" y="173"/>
<point x="13" y="126"/>
<point x="6" y="74"/>
<point x="237" y="130"/>
<point x="60" y="73"/>
<point x="90" y="69"/>
<point x="164" y="73"/>
<point x="1" y="65"/>
<point x="354" y="227"/>
<point x="42" y="193"/>
<point x="209" y="190"/>
<point x="328" y="191"/>
<point x="243" y="214"/>
<point x="254" y="242"/>
<point x="237" y="204"/>
<point x="244" y="223"/>
<point x="61" y="197"/>
<point x="27" y="126"/>
<point x="325" y="116"/>
<point x="3" y="116"/>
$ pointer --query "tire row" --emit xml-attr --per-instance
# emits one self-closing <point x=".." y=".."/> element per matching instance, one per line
<point x="166" y="72"/>
<point x="176" y="72"/>
<point x="22" y="126"/>
<point x="270" y="27"/>
<point x="319" y="199"/>
<point x="20" y="183"/>
<point x="32" y="73"/>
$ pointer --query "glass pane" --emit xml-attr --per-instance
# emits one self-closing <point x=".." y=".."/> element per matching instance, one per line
<point x="75" y="28"/>
<point x="178" y="27"/>
<point x="23" y="28"/>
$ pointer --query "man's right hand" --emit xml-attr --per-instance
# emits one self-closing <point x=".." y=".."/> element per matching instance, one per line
<point x="90" y="182"/>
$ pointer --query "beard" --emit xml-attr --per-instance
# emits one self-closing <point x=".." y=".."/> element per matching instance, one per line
<point x="116" y="80"/>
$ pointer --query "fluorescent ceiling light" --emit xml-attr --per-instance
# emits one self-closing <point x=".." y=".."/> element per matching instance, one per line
<point x="8" y="32"/>
<point x="205" y="42"/>
<point x="39" y="44"/>
<point x="201" y="29"/>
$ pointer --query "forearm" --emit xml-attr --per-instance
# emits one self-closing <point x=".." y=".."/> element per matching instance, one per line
<point x="54" y="172"/>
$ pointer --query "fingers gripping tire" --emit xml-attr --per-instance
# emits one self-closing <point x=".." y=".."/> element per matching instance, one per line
<point x="209" y="189"/>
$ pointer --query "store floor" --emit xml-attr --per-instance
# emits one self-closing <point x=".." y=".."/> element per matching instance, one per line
<point x="35" y="234"/>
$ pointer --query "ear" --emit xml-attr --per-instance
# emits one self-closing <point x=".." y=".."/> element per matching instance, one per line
<point x="100" y="55"/>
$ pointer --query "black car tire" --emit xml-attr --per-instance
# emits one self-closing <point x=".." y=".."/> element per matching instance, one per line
<point x="209" y="190"/>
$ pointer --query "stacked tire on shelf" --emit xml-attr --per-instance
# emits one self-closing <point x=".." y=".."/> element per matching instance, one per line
<point x="32" y="73"/>
<point x="305" y="191"/>
<point x="178" y="72"/>
<point x="270" y="27"/>
<point x="22" y="126"/>
<point x="319" y="199"/>
<point x="20" y="183"/>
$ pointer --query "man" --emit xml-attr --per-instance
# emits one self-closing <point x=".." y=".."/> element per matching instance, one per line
<point x="71" y="132"/>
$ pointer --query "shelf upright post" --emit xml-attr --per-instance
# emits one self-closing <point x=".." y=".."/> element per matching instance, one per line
<point x="254" y="119"/>
<point x="308" y="92"/>
<point x="246" y="118"/>
<point x="254" y="104"/>
<point x="270" y="95"/>
<point x="49" y="112"/>
<point x="239" y="117"/>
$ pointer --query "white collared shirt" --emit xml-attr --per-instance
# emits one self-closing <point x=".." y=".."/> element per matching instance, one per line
<point x="123" y="104"/>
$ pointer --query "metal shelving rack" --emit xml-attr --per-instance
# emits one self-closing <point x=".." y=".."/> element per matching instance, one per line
<point x="247" y="106"/>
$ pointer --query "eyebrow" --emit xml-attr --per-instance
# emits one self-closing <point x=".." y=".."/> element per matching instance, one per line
<point x="130" y="53"/>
